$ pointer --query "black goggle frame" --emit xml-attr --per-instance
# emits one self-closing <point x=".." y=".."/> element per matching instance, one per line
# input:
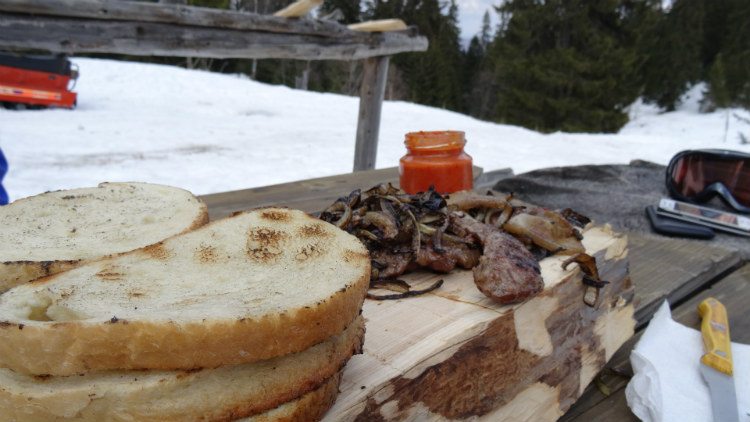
<point x="713" y="189"/>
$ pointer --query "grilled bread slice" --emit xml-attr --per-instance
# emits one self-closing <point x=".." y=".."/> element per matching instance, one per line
<point x="310" y="407"/>
<point x="55" y="231"/>
<point x="224" y="393"/>
<point x="253" y="286"/>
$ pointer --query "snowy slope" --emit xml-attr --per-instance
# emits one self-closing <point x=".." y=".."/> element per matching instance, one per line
<point x="209" y="132"/>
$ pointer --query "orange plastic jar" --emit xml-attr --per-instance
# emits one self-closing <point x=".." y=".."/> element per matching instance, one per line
<point x="437" y="159"/>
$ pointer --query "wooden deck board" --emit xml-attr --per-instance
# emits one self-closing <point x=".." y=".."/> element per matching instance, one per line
<point x="668" y="268"/>
<point x="310" y="196"/>
<point x="733" y="291"/>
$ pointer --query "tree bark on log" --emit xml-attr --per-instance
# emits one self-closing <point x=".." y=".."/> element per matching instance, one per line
<point x="453" y="354"/>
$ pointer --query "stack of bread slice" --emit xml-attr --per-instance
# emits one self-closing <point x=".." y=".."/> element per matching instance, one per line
<point x="56" y="231"/>
<point x="252" y="317"/>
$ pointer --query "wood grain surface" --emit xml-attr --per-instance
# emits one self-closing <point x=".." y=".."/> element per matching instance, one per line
<point x="140" y="11"/>
<point x="312" y="195"/>
<point x="72" y="35"/>
<point x="733" y="291"/>
<point x="455" y="354"/>
<point x="673" y="269"/>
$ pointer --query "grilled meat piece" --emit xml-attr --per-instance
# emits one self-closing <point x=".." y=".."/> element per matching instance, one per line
<point x="386" y="264"/>
<point x="450" y="257"/>
<point x="407" y="232"/>
<point x="507" y="271"/>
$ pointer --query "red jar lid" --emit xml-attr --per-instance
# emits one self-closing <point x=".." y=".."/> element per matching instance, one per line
<point x="435" y="141"/>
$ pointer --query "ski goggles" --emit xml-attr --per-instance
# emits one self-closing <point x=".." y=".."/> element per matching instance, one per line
<point x="700" y="175"/>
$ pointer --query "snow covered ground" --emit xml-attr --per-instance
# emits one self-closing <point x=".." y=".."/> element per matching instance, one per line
<point x="209" y="132"/>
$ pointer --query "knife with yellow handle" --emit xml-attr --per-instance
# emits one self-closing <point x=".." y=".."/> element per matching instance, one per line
<point x="716" y="363"/>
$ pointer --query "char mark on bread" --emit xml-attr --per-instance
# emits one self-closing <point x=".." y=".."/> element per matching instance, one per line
<point x="268" y="292"/>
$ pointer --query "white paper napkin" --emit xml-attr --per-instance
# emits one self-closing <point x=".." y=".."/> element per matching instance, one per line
<point x="667" y="385"/>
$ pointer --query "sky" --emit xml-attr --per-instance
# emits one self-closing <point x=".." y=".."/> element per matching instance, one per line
<point x="470" y="14"/>
<point x="209" y="132"/>
<point x="472" y="11"/>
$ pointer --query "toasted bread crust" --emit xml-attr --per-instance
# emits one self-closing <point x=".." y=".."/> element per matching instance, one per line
<point x="311" y="407"/>
<point x="221" y="394"/>
<point x="66" y="347"/>
<point x="13" y="273"/>
<point x="16" y="272"/>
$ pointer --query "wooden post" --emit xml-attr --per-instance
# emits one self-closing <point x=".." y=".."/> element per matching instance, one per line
<point x="374" y="76"/>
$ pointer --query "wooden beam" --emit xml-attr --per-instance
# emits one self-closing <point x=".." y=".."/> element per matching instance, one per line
<point x="119" y="10"/>
<point x="375" y="74"/>
<point x="69" y="35"/>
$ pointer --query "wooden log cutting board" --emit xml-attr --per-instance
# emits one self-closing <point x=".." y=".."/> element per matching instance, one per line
<point x="454" y="354"/>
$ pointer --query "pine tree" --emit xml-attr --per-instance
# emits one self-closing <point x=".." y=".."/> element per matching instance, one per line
<point x="716" y="14"/>
<point x="718" y="94"/>
<point x="350" y="9"/>
<point x="735" y="53"/>
<point x="478" y="94"/>
<point x="433" y="77"/>
<point x="564" y="65"/>
<point x="473" y="59"/>
<point x="699" y="40"/>
<point x="485" y="34"/>
<point x="479" y="97"/>
<point x="673" y="50"/>
<point x="218" y="4"/>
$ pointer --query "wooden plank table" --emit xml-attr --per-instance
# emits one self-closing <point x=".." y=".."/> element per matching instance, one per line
<point x="311" y="195"/>
<point x="681" y="271"/>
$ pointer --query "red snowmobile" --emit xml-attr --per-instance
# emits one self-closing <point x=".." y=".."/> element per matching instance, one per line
<point x="37" y="81"/>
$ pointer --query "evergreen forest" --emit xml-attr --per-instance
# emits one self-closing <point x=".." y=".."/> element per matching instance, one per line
<point x="548" y="65"/>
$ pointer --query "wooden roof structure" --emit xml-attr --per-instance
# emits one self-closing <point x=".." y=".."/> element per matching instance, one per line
<point x="158" y="29"/>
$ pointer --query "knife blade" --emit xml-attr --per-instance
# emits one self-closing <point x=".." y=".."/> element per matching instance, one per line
<point x="716" y="363"/>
